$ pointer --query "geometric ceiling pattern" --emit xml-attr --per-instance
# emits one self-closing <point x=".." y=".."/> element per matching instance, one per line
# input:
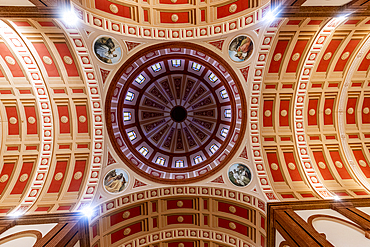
<point x="177" y="115"/>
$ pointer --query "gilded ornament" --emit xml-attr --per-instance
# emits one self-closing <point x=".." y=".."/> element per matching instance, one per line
<point x="322" y="165"/>
<point x="173" y="1"/>
<point x="284" y="113"/>
<point x="274" y="166"/>
<point x="115" y="27"/>
<point x="248" y="20"/>
<point x="9" y="60"/>
<point x="24" y="177"/>
<point x="217" y="29"/>
<point x="312" y="112"/>
<point x="13" y="120"/>
<point x="180" y="204"/>
<point x="350" y="111"/>
<point x="82" y="119"/>
<point x="58" y="176"/>
<point x="366" y="110"/>
<point x="47" y="60"/>
<point x="126" y="214"/>
<point x="232" y="225"/>
<point x="97" y="22"/>
<point x="180" y="219"/>
<point x="296" y="56"/>
<point x="327" y="111"/>
<point x="174" y="18"/>
<point x="77" y="175"/>
<point x="338" y="164"/>
<point x="113" y="8"/>
<point x="232" y="209"/>
<point x="67" y="60"/>
<point x="277" y="57"/>
<point x="345" y="55"/>
<point x="4" y="178"/>
<point x="232" y="26"/>
<point x="368" y="56"/>
<point x="291" y="166"/>
<point x="64" y="119"/>
<point x="267" y="113"/>
<point x="233" y="8"/>
<point x="180" y="245"/>
<point x="362" y="163"/>
<point x="327" y="56"/>
<point x="126" y="231"/>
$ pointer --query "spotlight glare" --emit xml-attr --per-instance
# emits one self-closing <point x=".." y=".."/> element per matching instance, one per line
<point x="70" y="18"/>
<point x="87" y="211"/>
<point x="16" y="214"/>
<point x="336" y="198"/>
<point x="269" y="16"/>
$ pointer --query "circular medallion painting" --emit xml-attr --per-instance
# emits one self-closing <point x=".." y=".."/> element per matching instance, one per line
<point x="107" y="50"/>
<point x="239" y="175"/>
<point x="241" y="48"/>
<point x="116" y="181"/>
<point x="174" y="112"/>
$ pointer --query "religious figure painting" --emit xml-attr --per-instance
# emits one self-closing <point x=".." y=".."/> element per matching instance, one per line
<point x="241" y="48"/>
<point x="240" y="175"/>
<point x="107" y="50"/>
<point x="116" y="181"/>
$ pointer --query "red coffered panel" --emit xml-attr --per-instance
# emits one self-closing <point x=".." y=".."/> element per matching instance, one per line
<point x="343" y="173"/>
<point x="275" y="167"/>
<point x="104" y="5"/>
<point x="23" y="178"/>
<point x="13" y="121"/>
<point x="332" y="47"/>
<point x="44" y="54"/>
<point x="78" y="175"/>
<point x="166" y="17"/>
<point x="351" y="111"/>
<point x="365" y="63"/>
<point x="82" y="119"/>
<point x="11" y="62"/>
<point x="64" y="51"/>
<point x="312" y="111"/>
<point x="31" y="120"/>
<point x="328" y="111"/>
<point x="64" y="119"/>
<point x="342" y="61"/>
<point x="365" y="112"/>
<point x="125" y="215"/>
<point x="363" y="164"/>
<point x="118" y="235"/>
<point x="224" y="11"/>
<point x="58" y="177"/>
<point x="7" y="172"/>
<point x="293" y="170"/>
<point x="325" y="172"/>
<point x="297" y="52"/>
<point x="267" y="118"/>
<point x="275" y="63"/>
<point x="284" y="113"/>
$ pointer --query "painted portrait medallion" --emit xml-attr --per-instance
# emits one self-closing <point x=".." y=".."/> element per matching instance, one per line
<point x="116" y="181"/>
<point x="239" y="175"/>
<point x="241" y="48"/>
<point x="107" y="50"/>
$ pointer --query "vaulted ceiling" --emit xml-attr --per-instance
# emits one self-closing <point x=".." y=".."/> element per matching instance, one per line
<point x="299" y="114"/>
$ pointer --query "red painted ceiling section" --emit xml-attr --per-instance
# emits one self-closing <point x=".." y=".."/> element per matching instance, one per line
<point x="76" y="183"/>
<point x="349" y="48"/>
<point x="343" y="173"/>
<point x="64" y="51"/>
<point x="118" y="217"/>
<point x="299" y="48"/>
<point x="366" y="117"/>
<point x="118" y="235"/>
<point x="351" y="118"/>
<point x="319" y="157"/>
<point x="170" y="2"/>
<point x="332" y="47"/>
<point x="223" y="11"/>
<point x="284" y="120"/>
<point x="103" y="5"/>
<point x="328" y="118"/>
<point x="31" y="127"/>
<point x="7" y="170"/>
<point x="294" y="174"/>
<point x="359" y="155"/>
<point x="19" y="186"/>
<point x="293" y="22"/>
<point x="365" y="63"/>
<point x="11" y="111"/>
<point x="83" y="127"/>
<point x="242" y="229"/>
<point x="276" y="174"/>
<point x="312" y="104"/>
<point x="14" y="69"/>
<point x="165" y="17"/>
<point x="173" y="219"/>
<point x="267" y="105"/>
<point x="280" y="48"/>
<point x="63" y="112"/>
<point x="51" y="69"/>
<point x="55" y="185"/>
<point x="172" y="204"/>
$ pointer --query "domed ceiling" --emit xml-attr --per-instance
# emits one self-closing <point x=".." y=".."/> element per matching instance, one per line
<point x="173" y="111"/>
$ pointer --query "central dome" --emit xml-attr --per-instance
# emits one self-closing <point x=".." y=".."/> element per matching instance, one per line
<point x="173" y="113"/>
